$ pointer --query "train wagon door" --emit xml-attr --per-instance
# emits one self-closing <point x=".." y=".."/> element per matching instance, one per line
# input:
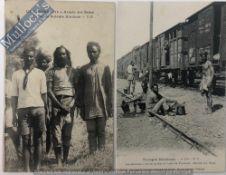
<point x="162" y="51"/>
<point x="192" y="43"/>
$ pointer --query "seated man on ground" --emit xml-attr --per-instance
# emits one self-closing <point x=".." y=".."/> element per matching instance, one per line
<point x="160" y="104"/>
<point x="139" y="100"/>
<point x="152" y="100"/>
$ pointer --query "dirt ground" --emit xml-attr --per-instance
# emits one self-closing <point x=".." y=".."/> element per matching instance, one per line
<point x="142" y="132"/>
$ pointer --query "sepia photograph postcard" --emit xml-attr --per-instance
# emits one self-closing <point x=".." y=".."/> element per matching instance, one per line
<point x="59" y="73"/>
<point x="109" y="87"/>
<point x="171" y="86"/>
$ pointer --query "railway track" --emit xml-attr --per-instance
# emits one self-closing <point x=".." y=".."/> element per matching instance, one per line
<point x="191" y="141"/>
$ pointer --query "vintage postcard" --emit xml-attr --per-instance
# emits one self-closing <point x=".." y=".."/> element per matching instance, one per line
<point x="59" y="67"/>
<point x="171" y="86"/>
<point x="60" y="102"/>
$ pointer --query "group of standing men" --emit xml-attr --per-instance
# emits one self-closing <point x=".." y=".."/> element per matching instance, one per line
<point x="41" y="94"/>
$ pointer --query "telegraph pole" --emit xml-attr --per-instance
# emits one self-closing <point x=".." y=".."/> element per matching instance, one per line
<point x="151" y="46"/>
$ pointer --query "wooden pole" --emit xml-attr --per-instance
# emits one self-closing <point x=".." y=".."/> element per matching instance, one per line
<point x="151" y="46"/>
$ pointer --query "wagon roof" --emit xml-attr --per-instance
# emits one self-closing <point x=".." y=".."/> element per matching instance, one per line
<point x="174" y="26"/>
<point x="211" y="4"/>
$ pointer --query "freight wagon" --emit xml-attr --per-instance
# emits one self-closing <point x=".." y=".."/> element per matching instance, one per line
<point x="168" y="51"/>
<point x="205" y="33"/>
<point x="178" y="50"/>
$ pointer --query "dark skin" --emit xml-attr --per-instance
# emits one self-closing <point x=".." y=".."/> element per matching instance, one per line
<point x="93" y="53"/>
<point x="145" y="89"/>
<point x="14" y="101"/>
<point x="155" y="89"/>
<point x="28" y="59"/>
<point x="61" y="62"/>
<point x="43" y="64"/>
<point x="28" y="65"/>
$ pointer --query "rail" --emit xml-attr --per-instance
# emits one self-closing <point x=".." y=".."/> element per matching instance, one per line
<point x="200" y="147"/>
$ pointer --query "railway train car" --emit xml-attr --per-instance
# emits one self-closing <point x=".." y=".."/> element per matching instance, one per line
<point x="139" y="55"/>
<point x="144" y="57"/>
<point x="178" y="49"/>
<point x="205" y="34"/>
<point x="168" y="51"/>
<point x="122" y="65"/>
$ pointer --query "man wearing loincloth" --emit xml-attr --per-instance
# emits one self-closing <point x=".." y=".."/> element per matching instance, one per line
<point x="206" y="85"/>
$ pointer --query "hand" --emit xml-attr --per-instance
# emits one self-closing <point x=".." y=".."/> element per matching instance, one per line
<point x="209" y="84"/>
<point x="77" y="103"/>
<point x="46" y="110"/>
<point x="47" y="117"/>
<point x="77" y="112"/>
<point x="47" y="113"/>
<point x="111" y="114"/>
<point x="66" y="109"/>
<point x="202" y="92"/>
<point x="15" y="121"/>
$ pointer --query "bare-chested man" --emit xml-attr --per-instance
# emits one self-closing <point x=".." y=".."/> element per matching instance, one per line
<point x="206" y="85"/>
<point x="152" y="100"/>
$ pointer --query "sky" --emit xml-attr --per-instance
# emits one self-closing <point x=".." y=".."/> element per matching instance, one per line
<point x="133" y="21"/>
<point x="132" y="26"/>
